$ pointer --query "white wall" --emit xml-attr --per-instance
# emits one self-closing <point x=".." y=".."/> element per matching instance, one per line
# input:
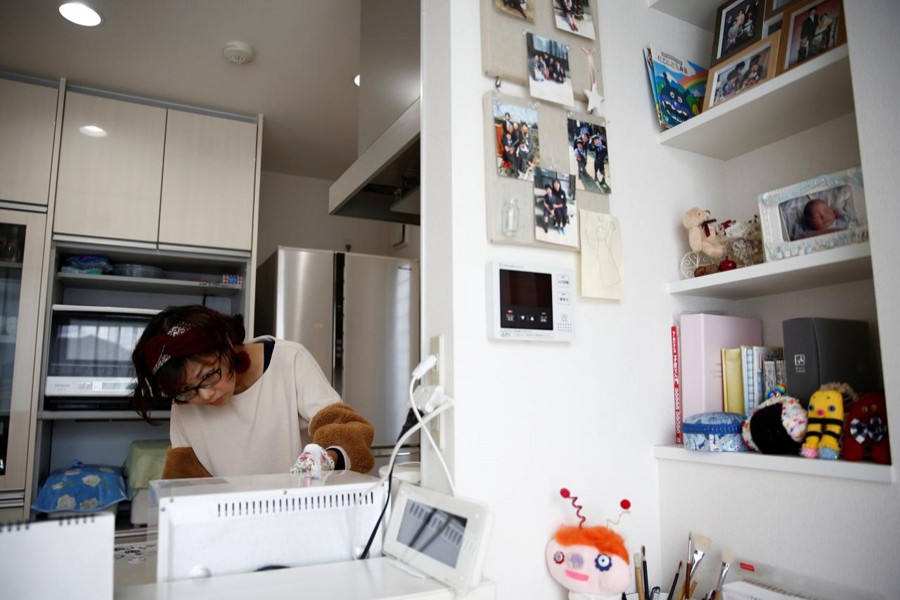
<point x="293" y="211"/>
<point x="531" y="418"/>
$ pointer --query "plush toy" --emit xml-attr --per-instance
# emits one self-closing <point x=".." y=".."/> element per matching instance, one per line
<point x="865" y="430"/>
<point x="702" y="234"/>
<point x="590" y="562"/>
<point x="825" y="414"/>
<point x="777" y="426"/>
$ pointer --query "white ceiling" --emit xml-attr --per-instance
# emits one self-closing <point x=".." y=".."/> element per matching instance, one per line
<point x="307" y="53"/>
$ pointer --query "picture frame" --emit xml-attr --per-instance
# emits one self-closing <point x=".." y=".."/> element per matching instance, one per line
<point x="817" y="214"/>
<point x="738" y="25"/>
<point x="775" y="8"/>
<point x="755" y="65"/>
<point x="810" y="28"/>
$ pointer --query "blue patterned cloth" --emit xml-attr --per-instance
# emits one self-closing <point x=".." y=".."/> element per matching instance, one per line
<point x="81" y="488"/>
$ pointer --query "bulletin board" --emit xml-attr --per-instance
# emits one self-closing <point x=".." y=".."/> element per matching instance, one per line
<point x="503" y="39"/>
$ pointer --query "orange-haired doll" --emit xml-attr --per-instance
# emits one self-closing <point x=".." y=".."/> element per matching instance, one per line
<point x="590" y="562"/>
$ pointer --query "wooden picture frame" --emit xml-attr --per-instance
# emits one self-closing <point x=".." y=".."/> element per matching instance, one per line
<point x="802" y="39"/>
<point x="738" y="25"/>
<point x="776" y="8"/>
<point x="743" y="72"/>
<point x="791" y="227"/>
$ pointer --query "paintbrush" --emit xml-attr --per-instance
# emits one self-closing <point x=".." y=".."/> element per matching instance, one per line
<point x="700" y="547"/>
<point x="687" y="566"/>
<point x="727" y="558"/>
<point x="638" y="578"/>
<point x="644" y="572"/>
<point x="675" y="581"/>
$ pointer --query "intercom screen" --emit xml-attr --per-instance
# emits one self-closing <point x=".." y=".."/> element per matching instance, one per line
<point x="526" y="300"/>
<point x="432" y="531"/>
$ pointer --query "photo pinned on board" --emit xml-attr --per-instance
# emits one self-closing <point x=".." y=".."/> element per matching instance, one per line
<point x="589" y="156"/>
<point x="516" y="8"/>
<point x="574" y="16"/>
<point x="555" y="211"/>
<point x="516" y="135"/>
<point x="548" y="70"/>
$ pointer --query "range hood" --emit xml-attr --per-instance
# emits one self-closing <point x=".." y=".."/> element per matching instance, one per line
<point x="383" y="183"/>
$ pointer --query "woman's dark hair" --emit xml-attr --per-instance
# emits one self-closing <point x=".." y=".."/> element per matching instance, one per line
<point x="220" y="332"/>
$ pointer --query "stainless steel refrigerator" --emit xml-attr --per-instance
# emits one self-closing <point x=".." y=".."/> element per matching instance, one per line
<point x="359" y="317"/>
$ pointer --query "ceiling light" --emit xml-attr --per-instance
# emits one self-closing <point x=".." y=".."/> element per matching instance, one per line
<point x="356" y="80"/>
<point x="80" y="14"/>
<point x="239" y="53"/>
<point x="93" y="131"/>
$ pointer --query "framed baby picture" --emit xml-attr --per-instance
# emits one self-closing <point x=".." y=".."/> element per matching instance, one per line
<point x="742" y="72"/>
<point x="818" y="214"/>
<point x="810" y="28"/>
<point x="738" y="24"/>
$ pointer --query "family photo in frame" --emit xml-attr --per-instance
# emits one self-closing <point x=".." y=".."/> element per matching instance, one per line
<point x="749" y="68"/>
<point x="809" y="29"/>
<point x="821" y="213"/>
<point x="738" y="24"/>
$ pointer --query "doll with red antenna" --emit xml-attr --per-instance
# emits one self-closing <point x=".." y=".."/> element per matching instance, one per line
<point x="591" y="562"/>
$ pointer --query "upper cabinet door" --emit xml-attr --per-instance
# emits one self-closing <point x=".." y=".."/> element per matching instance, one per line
<point x="27" y="121"/>
<point x="208" y="182"/>
<point x="110" y="168"/>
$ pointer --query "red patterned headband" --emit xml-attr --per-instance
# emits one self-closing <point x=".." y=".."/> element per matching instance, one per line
<point x="182" y="339"/>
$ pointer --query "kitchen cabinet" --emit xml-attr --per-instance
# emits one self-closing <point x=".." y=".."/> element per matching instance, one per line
<point x="27" y="128"/>
<point x="142" y="171"/>
<point x="101" y="430"/>
<point x="21" y="248"/>
<point x="208" y="183"/>
<point x="110" y="168"/>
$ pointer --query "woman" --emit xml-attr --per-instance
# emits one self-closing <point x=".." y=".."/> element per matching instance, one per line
<point x="238" y="407"/>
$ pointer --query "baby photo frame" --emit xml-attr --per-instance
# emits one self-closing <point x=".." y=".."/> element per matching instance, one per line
<point x="814" y="215"/>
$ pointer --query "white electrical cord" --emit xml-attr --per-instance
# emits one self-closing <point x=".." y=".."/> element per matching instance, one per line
<point x="427" y="433"/>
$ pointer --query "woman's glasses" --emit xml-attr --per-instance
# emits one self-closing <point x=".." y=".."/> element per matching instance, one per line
<point x="209" y="380"/>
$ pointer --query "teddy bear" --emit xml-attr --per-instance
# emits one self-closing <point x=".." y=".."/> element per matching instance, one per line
<point x="702" y="234"/>
<point x="865" y="431"/>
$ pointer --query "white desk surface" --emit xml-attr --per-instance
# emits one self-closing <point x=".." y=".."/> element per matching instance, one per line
<point x="373" y="579"/>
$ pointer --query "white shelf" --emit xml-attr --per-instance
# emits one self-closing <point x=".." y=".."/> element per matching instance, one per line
<point x="146" y="284"/>
<point x="701" y="13"/>
<point x="810" y="94"/>
<point x="829" y="267"/>
<point x="99" y="415"/>
<point x="841" y="469"/>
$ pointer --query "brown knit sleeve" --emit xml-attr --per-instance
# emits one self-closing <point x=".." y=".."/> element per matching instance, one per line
<point x="182" y="463"/>
<point x="339" y="425"/>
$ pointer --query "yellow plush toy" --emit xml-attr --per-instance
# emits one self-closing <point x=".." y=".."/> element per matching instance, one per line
<point x="825" y="416"/>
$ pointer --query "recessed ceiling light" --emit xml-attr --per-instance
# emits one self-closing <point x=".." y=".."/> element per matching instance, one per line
<point x="80" y="14"/>
<point x="92" y="131"/>
<point x="356" y="80"/>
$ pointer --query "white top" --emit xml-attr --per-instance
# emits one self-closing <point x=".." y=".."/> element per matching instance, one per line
<point x="264" y="428"/>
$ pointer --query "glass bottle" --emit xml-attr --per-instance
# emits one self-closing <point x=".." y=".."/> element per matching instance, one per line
<point x="510" y="217"/>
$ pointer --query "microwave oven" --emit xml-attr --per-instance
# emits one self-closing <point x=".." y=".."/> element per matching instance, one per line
<point x="89" y="359"/>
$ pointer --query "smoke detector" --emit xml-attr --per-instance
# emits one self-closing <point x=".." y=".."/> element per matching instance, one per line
<point x="239" y="53"/>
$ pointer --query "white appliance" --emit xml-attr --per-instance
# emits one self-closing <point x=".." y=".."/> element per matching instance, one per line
<point x="359" y="317"/>
<point x="224" y="525"/>
<point x="530" y="303"/>
<point x="89" y="360"/>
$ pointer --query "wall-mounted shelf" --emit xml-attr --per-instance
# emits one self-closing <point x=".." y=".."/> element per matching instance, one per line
<point x="810" y="94"/>
<point x="701" y="13"/>
<point x="146" y="284"/>
<point x="829" y="267"/>
<point x="841" y="469"/>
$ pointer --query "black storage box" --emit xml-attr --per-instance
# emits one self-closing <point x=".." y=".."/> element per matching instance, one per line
<point x="818" y="350"/>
